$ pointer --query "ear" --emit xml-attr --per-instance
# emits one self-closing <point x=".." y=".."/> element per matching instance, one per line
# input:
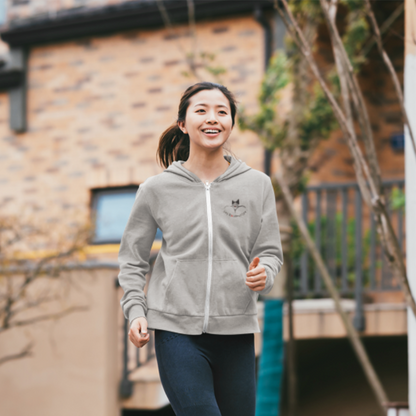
<point x="181" y="125"/>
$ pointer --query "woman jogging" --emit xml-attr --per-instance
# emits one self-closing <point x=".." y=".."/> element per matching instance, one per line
<point x="220" y="249"/>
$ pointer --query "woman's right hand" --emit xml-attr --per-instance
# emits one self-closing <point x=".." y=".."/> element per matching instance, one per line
<point x="138" y="332"/>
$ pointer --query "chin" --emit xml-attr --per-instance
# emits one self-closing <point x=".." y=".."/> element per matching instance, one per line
<point x="213" y="145"/>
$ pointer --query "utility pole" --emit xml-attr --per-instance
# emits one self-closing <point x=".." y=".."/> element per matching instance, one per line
<point x="410" y="169"/>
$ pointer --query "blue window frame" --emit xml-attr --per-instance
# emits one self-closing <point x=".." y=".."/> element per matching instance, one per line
<point x="111" y="209"/>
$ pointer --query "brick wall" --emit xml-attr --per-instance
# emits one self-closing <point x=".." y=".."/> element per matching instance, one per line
<point x="96" y="109"/>
<point x="332" y="162"/>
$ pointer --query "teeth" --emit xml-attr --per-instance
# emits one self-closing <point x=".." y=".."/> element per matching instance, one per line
<point x="211" y="131"/>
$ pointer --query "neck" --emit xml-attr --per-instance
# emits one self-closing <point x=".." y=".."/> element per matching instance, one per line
<point x="207" y="166"/>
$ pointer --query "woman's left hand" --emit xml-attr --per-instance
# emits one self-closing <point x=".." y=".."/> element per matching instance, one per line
<point x="256" y="276"/>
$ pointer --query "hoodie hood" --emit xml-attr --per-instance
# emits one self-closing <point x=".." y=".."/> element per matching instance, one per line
<point x="236" y="167"/>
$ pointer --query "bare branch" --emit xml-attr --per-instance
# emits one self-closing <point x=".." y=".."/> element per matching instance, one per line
<point x="192" y="26"/>
<point x="26" y="352"/>
<point x="190" y="57"/>
<point x="352" y="333"/>
<point x="164" y="14"/>
<point x="194" y="48"/>
<point x="38" y="271"/>
<point x="168" y="24"/>
<point x="391" y="69"/>
<point x="384" y="27"/>
<point x="358" y="100"/>
<point x="31" y="261"/>
<point x="360" y="164"/>
<point x="371" y="194"/>
<point x="41" y="300"/>
<point x="45" y="317"/>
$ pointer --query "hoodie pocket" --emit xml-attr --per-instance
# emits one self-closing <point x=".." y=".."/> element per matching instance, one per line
<point x="229" y="293"/>
<point x="185" y="292"/>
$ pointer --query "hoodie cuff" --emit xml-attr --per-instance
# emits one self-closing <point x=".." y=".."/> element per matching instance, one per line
<point x="269" y="280"/>
<point x="136" y="311"/>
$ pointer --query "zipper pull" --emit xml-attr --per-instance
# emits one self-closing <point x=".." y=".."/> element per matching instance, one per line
<point x="207" y="185"/>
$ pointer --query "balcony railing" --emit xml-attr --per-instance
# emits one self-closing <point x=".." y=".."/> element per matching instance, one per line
<point x="345" y="232"/>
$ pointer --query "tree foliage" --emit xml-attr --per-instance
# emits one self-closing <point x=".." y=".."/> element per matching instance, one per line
<point x="311" y="114"/>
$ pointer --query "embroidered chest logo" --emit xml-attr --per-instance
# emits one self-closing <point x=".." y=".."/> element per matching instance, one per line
<point x="235" y="209"/>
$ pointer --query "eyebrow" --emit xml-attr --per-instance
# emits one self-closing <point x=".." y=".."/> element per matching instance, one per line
<point x="205" y="105"/>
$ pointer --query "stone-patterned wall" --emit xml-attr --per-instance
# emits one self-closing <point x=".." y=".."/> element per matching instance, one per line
<point x="97" y="107"/>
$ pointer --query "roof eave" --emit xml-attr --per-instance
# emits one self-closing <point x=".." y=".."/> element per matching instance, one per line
<point x="137" y="14"/>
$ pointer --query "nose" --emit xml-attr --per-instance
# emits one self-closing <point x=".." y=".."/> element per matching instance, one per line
<point x="211" y="118"/>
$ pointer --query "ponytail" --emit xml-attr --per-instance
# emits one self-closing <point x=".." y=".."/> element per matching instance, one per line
<point x="173" y="145"/>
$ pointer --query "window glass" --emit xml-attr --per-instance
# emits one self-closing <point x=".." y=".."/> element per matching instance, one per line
<point x="112" y="208"/>
<point x="3" y="12"/>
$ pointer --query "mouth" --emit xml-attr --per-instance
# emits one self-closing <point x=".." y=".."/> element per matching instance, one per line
<point x="211" y="132"/>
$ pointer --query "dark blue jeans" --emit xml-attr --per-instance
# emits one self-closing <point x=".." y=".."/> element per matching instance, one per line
<point x="207" y="374"/>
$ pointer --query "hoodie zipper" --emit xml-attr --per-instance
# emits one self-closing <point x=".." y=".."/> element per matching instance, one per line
<point x="209" y="212"/>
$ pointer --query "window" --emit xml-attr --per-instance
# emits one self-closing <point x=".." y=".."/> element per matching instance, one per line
<point x="112" y="207"/>
<point x="3" y="12"/>
<point x="397" y="141"/>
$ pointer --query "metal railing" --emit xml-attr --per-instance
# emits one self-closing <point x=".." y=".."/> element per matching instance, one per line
<point x="345" y="232"/>
<point x="133" y="357"/>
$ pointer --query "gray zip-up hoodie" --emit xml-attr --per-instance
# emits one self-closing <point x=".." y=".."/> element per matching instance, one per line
<point x="211" y="233"/>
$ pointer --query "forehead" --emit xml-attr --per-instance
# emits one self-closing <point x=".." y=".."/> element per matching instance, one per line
<point x="209" y="97"/>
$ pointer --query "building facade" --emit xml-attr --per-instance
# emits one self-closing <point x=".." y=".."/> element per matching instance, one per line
<point x="86" y="89"/>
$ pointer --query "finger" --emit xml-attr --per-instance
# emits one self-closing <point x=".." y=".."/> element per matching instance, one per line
<point x="253" y="279"/>
<point x="255" y="276"/>
<point x="139" y="341"/>
<point x="252" y="285"/>
<point x="135" y="335"/>
<point x="254" y="263"/>
<point x="133" y="340"/>
<point x="140" y="337"/>
<point x="258" y="270"/>
<point x="257" y="287"/>
<point x="143" y="341"/>
<point x="144" y="329"/>
<point x="145" y="337"/>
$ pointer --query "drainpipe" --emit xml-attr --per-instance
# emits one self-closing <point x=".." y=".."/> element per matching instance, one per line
<point x="259" y="16"/>
<point x="18" y="93"/>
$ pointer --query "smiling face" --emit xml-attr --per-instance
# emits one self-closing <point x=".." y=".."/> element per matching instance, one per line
<point x="208" y="119"/>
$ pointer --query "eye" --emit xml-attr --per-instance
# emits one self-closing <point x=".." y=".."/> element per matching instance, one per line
<point x="222" y="111"/>
<point x="200" y="110"/>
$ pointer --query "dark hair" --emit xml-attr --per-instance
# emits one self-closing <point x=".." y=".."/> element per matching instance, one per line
<point x="174" y="143"/>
